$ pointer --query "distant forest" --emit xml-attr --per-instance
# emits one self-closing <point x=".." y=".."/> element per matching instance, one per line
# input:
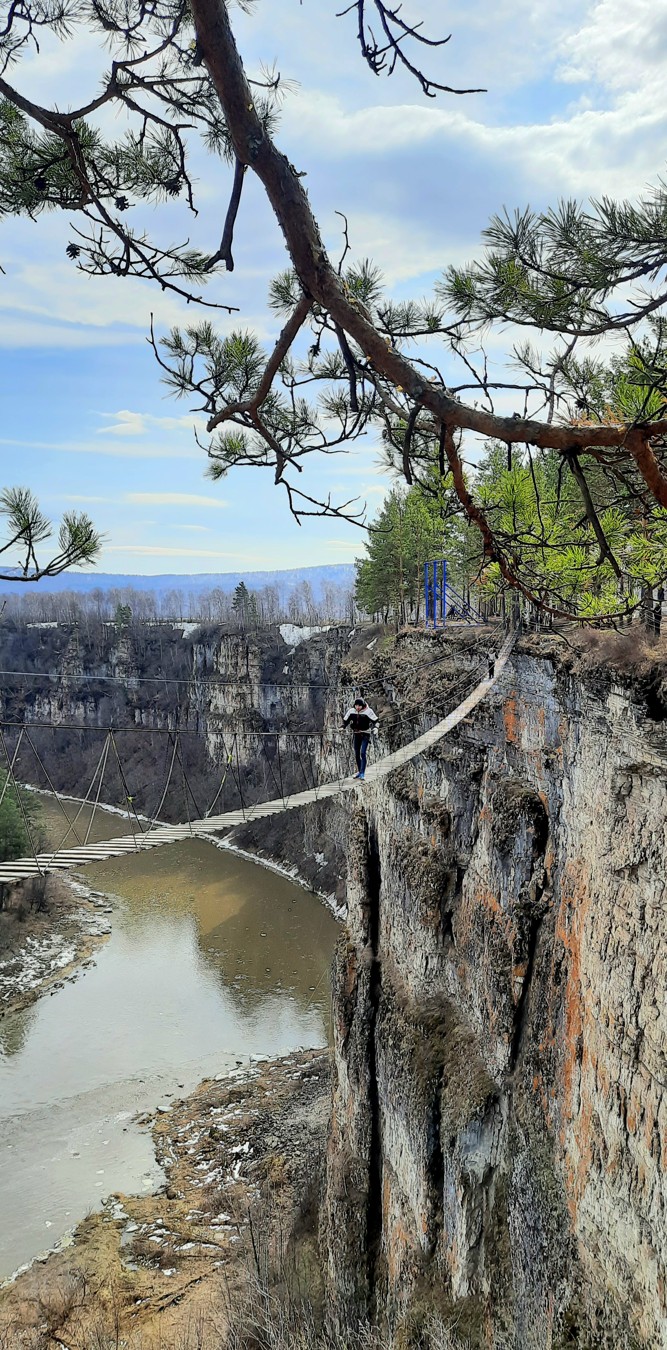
<point x="244" y="607"/>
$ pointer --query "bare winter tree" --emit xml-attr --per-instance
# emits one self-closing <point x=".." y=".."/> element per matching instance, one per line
<point x="339" y="365"/>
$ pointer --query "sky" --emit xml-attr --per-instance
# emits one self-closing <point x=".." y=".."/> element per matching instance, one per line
<point x="574" y="107"/>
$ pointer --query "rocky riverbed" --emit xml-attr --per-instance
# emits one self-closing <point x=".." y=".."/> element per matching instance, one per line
<point x="242" y="1158"/>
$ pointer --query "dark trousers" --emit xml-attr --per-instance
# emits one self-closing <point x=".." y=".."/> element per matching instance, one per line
<point x="361" y="740"/>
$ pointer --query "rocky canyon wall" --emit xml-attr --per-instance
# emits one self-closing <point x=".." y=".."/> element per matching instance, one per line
<point x="250" y="715"/>
<point x="498" y="1143"/>
<point x="498" y="1138"/>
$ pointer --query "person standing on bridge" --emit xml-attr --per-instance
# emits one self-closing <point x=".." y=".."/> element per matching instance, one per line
<point x="362" y="719"/>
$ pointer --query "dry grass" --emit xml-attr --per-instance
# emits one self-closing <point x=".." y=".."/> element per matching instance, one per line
<point x="147" y="1251"/>
<point x="261" y="1319"/>
<point x="631" y="651"/>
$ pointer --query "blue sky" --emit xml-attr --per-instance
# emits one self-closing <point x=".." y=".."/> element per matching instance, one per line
<point x="575" y="106"/>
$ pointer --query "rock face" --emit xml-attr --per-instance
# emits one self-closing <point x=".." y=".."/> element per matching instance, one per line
<point x="498" y="1138"/>
<point x="250" y="715"/>
<point x="498" y="1142"/>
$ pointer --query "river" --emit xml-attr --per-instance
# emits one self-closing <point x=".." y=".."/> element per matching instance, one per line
<point x="211" y="959"/>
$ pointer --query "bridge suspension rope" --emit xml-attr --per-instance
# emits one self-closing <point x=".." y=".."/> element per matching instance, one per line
<point x="163" y="834"/>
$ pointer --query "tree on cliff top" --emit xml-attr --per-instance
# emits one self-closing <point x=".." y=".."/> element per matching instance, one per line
<point x="575" y="273"/>
<point x="244" y="606"/>
<point x="410" y="529"/>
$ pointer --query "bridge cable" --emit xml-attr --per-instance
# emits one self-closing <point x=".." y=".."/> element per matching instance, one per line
<point x="14" y="758"/>
<point x="238" y="773"/>
<point x="402" y="720"/>
<point x="84" y="802"/>
<point x="280" y="771"/>
<point x="100" y="768"/>
<point x="128" y="797"/>
<point x="186" y="785"/>
<point x="99" y="789"/>
<point x="377" y="681"/>
<point x="278" y="782"/>
<point x="21" y="803"/>
<point x="156" y="818"/>
<point x="52" y="786"/>
<point x="304" y="774"/>
<point x="222" y="781"/>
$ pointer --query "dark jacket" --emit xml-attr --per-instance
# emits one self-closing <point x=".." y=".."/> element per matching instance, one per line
<point x="360" y="719"/>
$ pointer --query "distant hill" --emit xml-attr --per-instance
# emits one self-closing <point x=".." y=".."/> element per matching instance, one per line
<point x="197" y="583"/>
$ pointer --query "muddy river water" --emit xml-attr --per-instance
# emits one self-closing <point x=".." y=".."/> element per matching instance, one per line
<point x="211" y="959"/>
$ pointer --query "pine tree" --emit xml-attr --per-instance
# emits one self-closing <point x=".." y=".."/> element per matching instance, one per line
<point x="241" y="604"/>
<point x="26" y="527"/>
<point x="576" y="273"/>
<point x="408" y="532"/>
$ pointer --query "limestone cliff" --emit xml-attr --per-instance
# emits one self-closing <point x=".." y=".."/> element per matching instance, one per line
<point x="498" y="1138"/>
<point x="498" y="1142"/>
<point x="252" y="712"/>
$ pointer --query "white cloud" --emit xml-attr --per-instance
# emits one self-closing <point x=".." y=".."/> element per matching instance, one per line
<point x="346" y="545"/>
<point x="17" y="332"/>
<point x="509" y="41"/>
<point x="418" y="179"/>
<point x="174" y="499"/>
<point x="611" y="148"/>
<point x="126" y="423"/>
<point x="80" y="498"/>
<point x="619" y="45"/>
<point x="401" y="249"/>
<point x="115" y="450"/>
<point x="57" y="290"/>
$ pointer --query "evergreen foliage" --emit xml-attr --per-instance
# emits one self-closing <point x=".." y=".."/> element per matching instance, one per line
<point x="244" y="606"/>
<point x="585" y="559"/>
<point x="122" y="616"/>
<point x="408" y="531"/>
<point x="26" y="526"/>
<point x="576" y="521"/>
<point x="17" y="808"/>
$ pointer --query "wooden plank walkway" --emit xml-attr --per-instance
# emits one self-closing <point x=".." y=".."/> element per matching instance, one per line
<point x="159" y="835"/>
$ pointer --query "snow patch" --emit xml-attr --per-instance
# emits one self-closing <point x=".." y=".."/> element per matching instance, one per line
<point x="294" y="633"/>
<point x="186" y="630"/>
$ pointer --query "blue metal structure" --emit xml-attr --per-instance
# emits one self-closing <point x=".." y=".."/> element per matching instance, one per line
<point x="435" y="593"/>
<point x="441" y="601"/>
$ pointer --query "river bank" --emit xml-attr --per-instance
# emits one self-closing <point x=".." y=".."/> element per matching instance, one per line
<point x="50" y="930"/>
<point x="209" y="961"/>
<point x="51" y="926"/>
<point x="242" y="1157"/>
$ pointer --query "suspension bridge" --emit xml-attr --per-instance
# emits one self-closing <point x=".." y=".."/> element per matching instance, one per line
<point x="157" y="835"/>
